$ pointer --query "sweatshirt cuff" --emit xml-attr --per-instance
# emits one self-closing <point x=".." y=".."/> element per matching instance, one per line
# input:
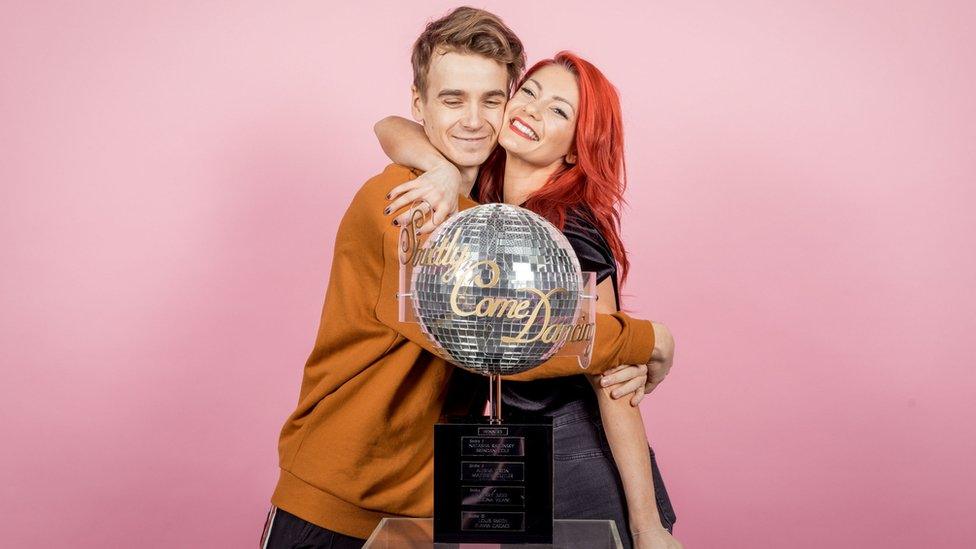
<point x="640" y="346"/>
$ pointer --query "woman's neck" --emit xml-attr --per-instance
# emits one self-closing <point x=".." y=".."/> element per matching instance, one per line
<point x="522" y="178"/>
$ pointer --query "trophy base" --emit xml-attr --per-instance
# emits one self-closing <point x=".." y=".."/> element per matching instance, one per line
<point x="493" y="481"/>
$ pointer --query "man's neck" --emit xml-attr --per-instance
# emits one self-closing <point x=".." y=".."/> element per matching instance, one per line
<point x="522" y="179"/>
<point x="468" y="177"/>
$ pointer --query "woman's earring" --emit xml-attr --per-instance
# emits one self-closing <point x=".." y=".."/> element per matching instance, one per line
<point x="570" y="158"/>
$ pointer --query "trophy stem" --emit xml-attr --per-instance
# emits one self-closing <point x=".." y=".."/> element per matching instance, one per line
<point x="495" y="398"/>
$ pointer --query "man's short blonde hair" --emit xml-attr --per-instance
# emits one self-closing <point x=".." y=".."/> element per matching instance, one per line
<point x="467" y="30"/>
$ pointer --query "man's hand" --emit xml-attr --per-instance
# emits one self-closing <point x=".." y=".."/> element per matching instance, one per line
<point x="626" y="380"/>
<point x="436" y="191"/>
<point x="641" y="379"/>
<point x="661" y="358"/>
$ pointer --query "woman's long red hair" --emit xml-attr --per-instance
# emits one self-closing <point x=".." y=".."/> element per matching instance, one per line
<point x="598" y="178"/>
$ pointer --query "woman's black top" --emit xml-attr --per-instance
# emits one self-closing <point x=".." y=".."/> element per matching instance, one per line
<point x="548" y="396"/>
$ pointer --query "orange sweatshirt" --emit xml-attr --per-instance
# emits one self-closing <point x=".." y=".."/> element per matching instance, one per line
<point x="359" y="446"/>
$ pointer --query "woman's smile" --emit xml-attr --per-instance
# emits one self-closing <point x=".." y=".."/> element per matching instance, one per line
<point x="521" y="128"/>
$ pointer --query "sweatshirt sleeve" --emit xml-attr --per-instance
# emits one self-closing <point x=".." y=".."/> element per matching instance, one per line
<point x="620" y="339"/>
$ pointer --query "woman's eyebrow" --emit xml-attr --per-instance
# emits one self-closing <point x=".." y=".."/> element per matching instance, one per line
<point x="570" y="105"/>
<point x="556" y="97"/>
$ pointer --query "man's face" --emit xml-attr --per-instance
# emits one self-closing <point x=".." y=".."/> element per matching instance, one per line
<point x="464" y="106"/>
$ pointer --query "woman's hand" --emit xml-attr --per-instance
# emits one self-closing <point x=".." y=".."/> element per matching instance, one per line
<point x="626" y="380"/>
<point x="436" y="191"/>
<point x="655" y="538"/>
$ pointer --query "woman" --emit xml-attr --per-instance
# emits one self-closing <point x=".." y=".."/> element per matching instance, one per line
<point x="560" y="154"/>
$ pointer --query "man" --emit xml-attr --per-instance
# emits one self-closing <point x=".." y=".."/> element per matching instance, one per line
<point x="359" y="446"/>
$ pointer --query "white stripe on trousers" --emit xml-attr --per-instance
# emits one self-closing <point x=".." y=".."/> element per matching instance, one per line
<point x="267" y="528"/>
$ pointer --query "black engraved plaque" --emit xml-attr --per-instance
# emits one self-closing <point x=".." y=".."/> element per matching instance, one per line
<point x="493" y="483"/>
<point x="492" y="521"/>
<point x="493" y="495"/>
<point x="493" y="446"/>
<point x="489" y="471"/>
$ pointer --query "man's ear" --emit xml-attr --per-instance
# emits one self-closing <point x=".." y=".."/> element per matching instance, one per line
<point x="416" y="103"/>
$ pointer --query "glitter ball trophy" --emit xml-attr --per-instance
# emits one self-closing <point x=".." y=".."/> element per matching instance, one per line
<point x="498" y="290"/>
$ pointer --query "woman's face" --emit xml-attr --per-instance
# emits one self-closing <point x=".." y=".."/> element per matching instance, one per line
<point x="540" y="119"/>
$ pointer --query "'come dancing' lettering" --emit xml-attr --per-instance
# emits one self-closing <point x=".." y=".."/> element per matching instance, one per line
<point x="516" y="309"/>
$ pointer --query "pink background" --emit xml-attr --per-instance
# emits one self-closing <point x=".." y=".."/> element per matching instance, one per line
<point x="801" y="180"/>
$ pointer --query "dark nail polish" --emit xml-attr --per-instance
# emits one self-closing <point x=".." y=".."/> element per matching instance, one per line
<point x="386" y="211"/>
<point x="396" y="223"/>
